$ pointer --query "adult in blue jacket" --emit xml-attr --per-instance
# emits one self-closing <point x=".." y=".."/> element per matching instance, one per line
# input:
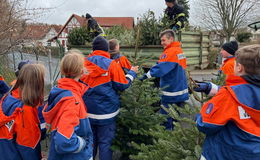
<point x="171" y="70"/>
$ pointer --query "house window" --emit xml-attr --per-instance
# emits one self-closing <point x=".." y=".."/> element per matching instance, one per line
<point x="48" y="43"/>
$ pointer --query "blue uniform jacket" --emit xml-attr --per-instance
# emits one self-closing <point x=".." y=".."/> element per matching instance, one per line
<point x="71" y="134"/>
<point x="171" y="70"/>
<point x="231" y="122"/>
<point x="105" y="79"/>
<point x="20" y="132"/>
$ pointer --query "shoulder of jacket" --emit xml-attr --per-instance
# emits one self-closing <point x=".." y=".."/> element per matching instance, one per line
<point x="179" y="8"/>
<point x="174" y="50"/>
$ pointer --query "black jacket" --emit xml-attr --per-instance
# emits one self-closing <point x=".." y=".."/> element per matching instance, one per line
<point x="94" y="27"/>
<point x="176" y="15"/>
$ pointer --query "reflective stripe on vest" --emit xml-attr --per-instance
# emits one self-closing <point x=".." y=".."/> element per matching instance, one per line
<point x="179" y="93"/>
<point x="103" y="116"/>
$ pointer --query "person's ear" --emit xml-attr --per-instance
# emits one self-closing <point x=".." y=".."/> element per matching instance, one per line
<point x="240" y="67"/>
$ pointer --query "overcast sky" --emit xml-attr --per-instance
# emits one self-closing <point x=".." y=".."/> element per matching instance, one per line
<point x="62" y="9"/>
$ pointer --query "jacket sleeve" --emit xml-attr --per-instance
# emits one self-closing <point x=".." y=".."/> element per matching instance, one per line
<point x="177" y="16"/>
<point x="161" y="69"/>
<point x="180" y="20"/>
<point x="3" y="86"/>
<point x="119" y="80"/>
<point x="215" y="113"/>
<point x="66" y="140"/>
<point x="126" y="65"/>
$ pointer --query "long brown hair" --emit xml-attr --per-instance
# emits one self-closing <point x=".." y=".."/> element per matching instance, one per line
<point x="30" y="83"/>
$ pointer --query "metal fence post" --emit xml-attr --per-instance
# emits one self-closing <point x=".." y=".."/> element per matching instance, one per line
<point x="50" y="68"/>
<point x="14" y="60"/>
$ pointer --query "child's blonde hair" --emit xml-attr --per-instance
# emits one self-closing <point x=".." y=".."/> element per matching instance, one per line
<point x="30" y="82"/>
<point x="72" y="64"/>
<point x="249" y="57"/>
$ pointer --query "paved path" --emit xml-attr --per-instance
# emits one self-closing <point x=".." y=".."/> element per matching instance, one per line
<point x="203" y="75"/>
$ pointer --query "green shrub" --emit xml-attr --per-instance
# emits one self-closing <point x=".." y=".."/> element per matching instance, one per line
<point x="5" y="71"/>
<point x="212" y="58"/>
<point x="125" y="36"/>
<point x="244" y="36"/>
<point x="79" y="36"/>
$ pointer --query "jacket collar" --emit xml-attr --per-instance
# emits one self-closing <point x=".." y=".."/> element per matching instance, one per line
<point x="230" y="58"/>
<point x="173" y="44"/>
<point x="252" y="79"/>
<point x="72" y="85"/>
<point x="100" y="53"/>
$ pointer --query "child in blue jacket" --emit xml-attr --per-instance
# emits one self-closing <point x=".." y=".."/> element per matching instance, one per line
<point x="20" y="132"/>
<point x="231" y="119"/>
<point x="105" y="79"/>
<point x="71" y="135"/>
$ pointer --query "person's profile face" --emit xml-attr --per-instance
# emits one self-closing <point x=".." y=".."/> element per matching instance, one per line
<point x="117" y="48"/>
<point x="165" y="41"/>
<point x="169" y="4"/>
<point x="224" y="53"/>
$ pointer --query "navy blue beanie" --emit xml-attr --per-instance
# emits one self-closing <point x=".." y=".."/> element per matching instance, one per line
<point x="100" y="43"/>
<point x="171" y="1"/>
<point x="20" y="66"/>
<point x="230" y="47"/>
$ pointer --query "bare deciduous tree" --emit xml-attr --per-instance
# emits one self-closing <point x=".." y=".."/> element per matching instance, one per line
<point x="14" y="14"/>
<point x="227" y="16"/>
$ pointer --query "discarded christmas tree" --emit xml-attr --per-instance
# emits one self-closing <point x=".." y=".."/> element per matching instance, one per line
<point x="138" y="117"/>
<point x="185" y="141"/>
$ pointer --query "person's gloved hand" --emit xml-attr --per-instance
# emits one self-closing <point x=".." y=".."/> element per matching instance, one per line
<point x="207" y="87"/>
<point x="143" y="77"/>
<point x="203" y="87"/>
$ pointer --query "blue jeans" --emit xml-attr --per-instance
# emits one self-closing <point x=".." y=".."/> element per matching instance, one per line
<point x="169" y="123"/>
<point x="103" y="136"/>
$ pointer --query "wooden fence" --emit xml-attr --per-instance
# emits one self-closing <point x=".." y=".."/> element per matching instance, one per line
<point x="196" y="46"/>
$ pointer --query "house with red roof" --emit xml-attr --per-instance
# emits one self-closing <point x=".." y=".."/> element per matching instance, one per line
<point x="80" y="21"/>
<point x="39" y="34"/>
